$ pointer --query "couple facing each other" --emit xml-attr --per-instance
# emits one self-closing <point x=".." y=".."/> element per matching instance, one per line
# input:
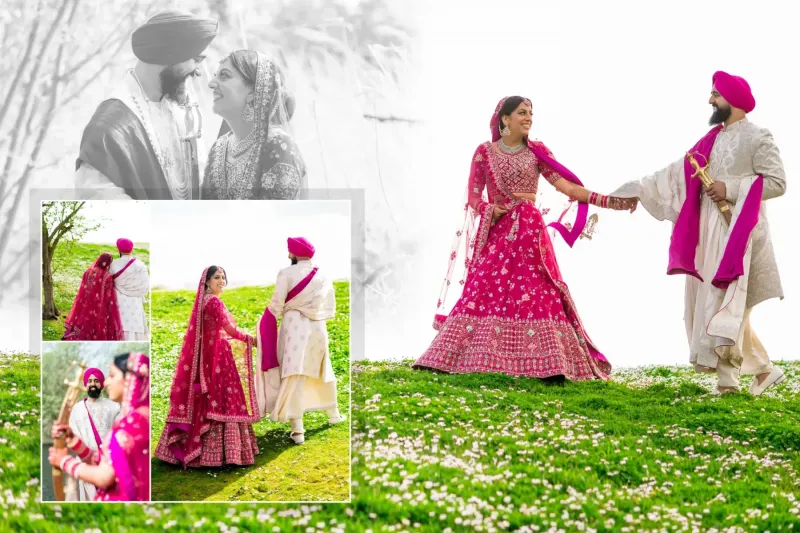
<point x="210" y="422"/>
<point x="109" y="305"/>
<point x="110" y="437"/>
<point x="143" y="142"/>
<point x="516" y="315"/>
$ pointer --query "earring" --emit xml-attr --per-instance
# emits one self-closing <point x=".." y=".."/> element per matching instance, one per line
<point x="505" y="132"/>
<point x="248" y="114"/>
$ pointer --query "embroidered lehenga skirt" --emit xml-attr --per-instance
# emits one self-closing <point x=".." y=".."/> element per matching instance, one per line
<point x="515" y="315"/>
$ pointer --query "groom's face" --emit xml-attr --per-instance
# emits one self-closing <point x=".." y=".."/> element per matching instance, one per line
<point x="93" y="387"/>
<point x="293" y="259"/>
<point x="721" y="107"/>
<point x="174" y="78"/>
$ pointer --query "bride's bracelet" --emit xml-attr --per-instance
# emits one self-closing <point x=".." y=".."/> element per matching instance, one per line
<point x="79" y="448"/>
<point x="600" y="200"/>
<point x="71" y="465"/>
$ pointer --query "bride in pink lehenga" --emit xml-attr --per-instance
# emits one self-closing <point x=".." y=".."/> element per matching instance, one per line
<point x="209" y="422"/>
<point x="515" y="315"/>
<point x="95" y="312"/>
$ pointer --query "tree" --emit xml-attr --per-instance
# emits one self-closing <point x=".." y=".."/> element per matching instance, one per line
<point x="51" y="54"/>
<point x="61" y="222"/>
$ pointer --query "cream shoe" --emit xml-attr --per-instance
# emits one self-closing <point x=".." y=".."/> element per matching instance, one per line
<point x="775" y="377"/>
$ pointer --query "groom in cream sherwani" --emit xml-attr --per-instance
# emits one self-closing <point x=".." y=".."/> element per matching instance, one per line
<point x="730" y="265"/>
<point x="295" y="374"/>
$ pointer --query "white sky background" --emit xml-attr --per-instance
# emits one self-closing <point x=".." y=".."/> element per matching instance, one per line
<point x="619" y="90"/>
<point x="246" y="238"/>
<point x="120" y="219"/>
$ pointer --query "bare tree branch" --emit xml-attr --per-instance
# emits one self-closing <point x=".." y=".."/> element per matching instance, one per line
<point x="26" y="103"/>
<point x="380" y="174"/>
<point x="4" y="239"/>
<point x="61" y="229"/>
<point x="109" y="62"/>
<point x="22" y="66"/>
<point x="124" y="21"/>
<point x="391" y="118"/>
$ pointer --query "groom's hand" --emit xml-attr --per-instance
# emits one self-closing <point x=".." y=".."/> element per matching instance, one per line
<point x="717" y="191"/>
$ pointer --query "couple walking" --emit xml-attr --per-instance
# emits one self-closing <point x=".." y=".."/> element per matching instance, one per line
<point x="516" y="314"/>
<point x="109" y="305"/>
<point x="210" y="422"/>
<point x="143" y="142"/>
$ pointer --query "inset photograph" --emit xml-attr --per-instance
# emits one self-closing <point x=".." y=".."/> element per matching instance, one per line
<point x="251" y="351"/>
<point x="95" y="422"/>
<point x="95" y="275"/>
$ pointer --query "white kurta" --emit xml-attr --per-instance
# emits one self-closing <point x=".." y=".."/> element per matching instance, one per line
<point x="104" y="412"/>
<point x="717" y="320"/>
<point x="132" y="287"/>
<point x="304" y="381"/>
<point x="165" y="123"/>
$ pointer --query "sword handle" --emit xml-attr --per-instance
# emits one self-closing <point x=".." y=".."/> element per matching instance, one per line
<point x="58" y="476"/>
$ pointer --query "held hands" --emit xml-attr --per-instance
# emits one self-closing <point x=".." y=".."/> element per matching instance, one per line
<point x="613" y="202"/>
<point x="717" y="192"/>
<point x="623" y="204"/>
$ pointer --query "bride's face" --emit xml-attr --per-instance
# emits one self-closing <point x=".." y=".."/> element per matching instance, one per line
<point x="115" y="384"/>
<point x="231" y="91"/>
<point x="217" y="282"/>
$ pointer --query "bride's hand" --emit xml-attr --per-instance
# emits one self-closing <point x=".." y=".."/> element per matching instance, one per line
<point x="525" y="196"/>
<point x="499" y="211"/>
<point x="623" y="204"/>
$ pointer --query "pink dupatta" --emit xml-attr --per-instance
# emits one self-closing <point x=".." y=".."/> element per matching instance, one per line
<point x="96" y="433"/>
<point x="129" y="445"/>
<point x="123" y="269"/>
<point x="686" y="233"/>
<point x="95" y="313"/>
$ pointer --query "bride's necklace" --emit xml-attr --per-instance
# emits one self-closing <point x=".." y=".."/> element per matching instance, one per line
<point x="508" y="149"/>
<point x="237" y="148"/>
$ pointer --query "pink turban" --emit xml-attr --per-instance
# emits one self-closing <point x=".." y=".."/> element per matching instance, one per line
<point x="300" y="247"/>
<point x="96" y="372"/>
<point x="735" y="90"/>
<point x="172" y="37"/>
<point x="124" y="246"/>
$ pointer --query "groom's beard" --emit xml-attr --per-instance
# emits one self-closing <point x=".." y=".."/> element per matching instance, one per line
<point x="93" y="392"/>
<point x="719" y="116"/>
<point x="294" y="260"/>
<point x="173" y="83"/>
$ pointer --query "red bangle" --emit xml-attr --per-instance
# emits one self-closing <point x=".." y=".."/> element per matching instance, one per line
<point x="70" y="465"/>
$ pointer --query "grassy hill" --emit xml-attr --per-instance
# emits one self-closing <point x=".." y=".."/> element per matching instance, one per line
<point x="648" y="452"/>
<point x="69" y="263"/>
<point x="316" y="471"/>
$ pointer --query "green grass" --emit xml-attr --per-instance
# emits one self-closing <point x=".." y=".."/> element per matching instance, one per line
<point x="319" y="470"/>
<point x="69" y="263"/>
<point x="647" y="452"/>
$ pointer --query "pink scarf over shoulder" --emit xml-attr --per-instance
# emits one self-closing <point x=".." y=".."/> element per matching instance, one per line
<point x="686" y="233"/>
